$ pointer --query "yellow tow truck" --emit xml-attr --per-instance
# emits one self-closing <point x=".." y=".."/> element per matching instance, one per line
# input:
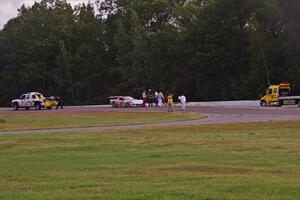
<point x="279" y="95"/>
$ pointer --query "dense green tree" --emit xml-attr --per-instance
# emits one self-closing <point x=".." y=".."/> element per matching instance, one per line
<point x="31" y="45"/>
<point x="206" y="49"/>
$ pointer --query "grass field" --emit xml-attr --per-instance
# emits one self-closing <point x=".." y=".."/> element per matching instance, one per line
<point x="44" y="120"/>
<point x="208" y="162"/>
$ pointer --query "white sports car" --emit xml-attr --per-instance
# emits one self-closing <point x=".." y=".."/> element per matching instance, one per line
<point x="125" y="101"/>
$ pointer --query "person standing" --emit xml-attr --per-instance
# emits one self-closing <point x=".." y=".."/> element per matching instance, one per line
<point x="59" y="103"/>
<point x="144" y="97"/>
<point x="156" y="98"/>
<point x="150" y="98"/>
<point x="160" y="98"/>
<point x="182" y="100"/>
<point x="170" y="102"/>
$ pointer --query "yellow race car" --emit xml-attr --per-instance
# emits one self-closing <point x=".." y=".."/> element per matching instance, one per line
<point x="50" y="102"/>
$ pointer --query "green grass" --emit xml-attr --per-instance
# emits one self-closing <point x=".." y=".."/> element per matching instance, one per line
<point x="207" y="162"/>
<point x="44" y="120"/>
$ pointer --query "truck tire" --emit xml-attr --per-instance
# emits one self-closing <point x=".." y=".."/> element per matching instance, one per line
<point x="16" y="106"/>
<point x="37" y="106"/>
<point x="263" y="104"/>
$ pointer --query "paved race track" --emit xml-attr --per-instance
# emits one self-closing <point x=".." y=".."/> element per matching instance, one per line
<point x="216" y="115"/>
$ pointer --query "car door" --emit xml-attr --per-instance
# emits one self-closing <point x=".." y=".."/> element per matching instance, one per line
<point x="31" y="100"/>
<point x="121" y="102"/>
<point x="268" y="96"/>
<point x="22" y="101"/>
<point x="27" y="101"/>
<point x="275" y="94"/>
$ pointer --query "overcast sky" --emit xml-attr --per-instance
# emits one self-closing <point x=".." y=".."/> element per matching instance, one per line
<point x="8" y="8"/>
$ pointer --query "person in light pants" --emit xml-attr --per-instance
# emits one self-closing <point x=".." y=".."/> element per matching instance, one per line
<point x="160" y="99"/>
<point x="182" y="100"/>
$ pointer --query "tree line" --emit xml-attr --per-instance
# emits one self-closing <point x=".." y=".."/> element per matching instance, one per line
<point x="205" y="49"/>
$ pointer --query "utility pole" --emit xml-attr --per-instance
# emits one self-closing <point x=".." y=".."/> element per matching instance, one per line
<point x="266" y="66"/>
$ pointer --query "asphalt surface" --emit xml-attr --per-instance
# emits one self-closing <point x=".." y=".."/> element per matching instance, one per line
<point x="216" y="115"/>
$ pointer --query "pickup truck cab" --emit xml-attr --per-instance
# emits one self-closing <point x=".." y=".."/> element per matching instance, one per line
<point x="278" y="95"/>
<point x="29" y="100"/>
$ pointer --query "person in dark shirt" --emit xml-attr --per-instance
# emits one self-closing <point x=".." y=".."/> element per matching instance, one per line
<point x="151" y="97"/>
<point x="59" y="102"/>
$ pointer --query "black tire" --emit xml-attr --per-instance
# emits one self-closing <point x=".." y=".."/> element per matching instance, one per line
<point x="127" y="105"/>
<point x="37" y="106"/>
<point x="263" y="104"/>
<point x="27" y="108"/>
<point x="49" y="108"/>
<point x="16" y="106"/>
<point x="280" y="103"/>
<point x="113" y="104"/>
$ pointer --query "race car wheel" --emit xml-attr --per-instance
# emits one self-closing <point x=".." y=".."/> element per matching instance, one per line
<point x="127" y="105"/>
<point x="37" y="106"/>
<point x="27" y="108"/>
<point x="113" y="105"/>
<point x="16" y="106"/>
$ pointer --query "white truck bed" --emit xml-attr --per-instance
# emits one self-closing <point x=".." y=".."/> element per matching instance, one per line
<point x="289" y="98"/>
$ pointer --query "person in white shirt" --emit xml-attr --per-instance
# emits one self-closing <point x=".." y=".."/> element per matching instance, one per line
<point x="160" y="98"/>
<point x="156" y="98"/>
<point x="144" y="97"/>
<point x="182" y="100"/>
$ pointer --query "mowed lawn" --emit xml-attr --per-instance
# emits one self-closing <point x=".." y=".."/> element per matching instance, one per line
<point x="44" y="120"/>
<point x="209" y="162"/>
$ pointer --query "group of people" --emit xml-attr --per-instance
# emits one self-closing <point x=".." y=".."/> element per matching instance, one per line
<point x="153" y="97"/>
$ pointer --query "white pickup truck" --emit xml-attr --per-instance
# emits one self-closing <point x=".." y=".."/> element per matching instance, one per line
<point x="29" y="100"/>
